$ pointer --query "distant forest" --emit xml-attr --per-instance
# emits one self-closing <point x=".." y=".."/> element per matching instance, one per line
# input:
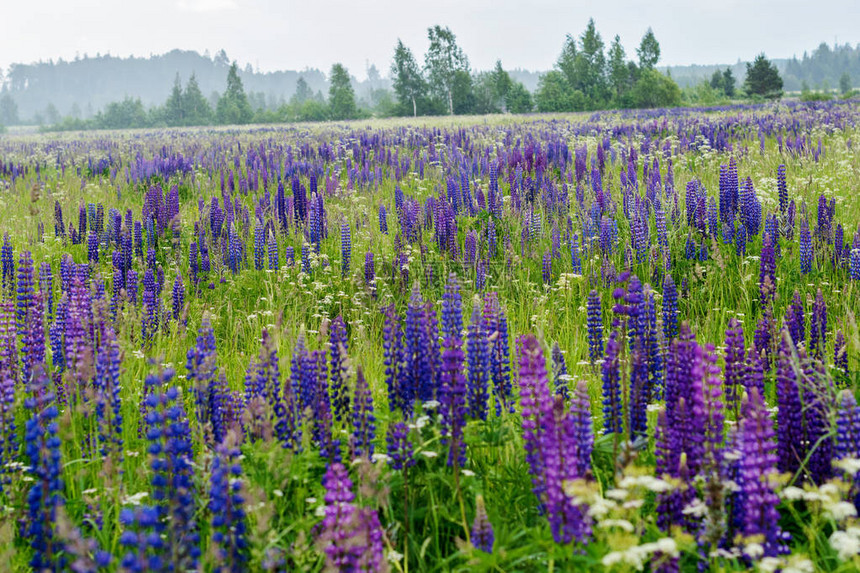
<point x="820" y="70"/>
<point x="47" y="93"/>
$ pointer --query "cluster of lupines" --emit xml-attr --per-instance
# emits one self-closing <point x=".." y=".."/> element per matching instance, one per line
<point x="351" y="537"/>
<point x="558" y="443"/>
<point x="420" y="364"/>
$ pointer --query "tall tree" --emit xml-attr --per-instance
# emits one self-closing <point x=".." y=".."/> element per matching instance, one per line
<point x="728" y="83"/>
<point x="717" y="82"/>
<point x="763" y="78"/>
<point x="518" y="99"/>
<point x="194" y="103"/>
<point x="844" y="83"/>
<point x="567" y="60"/>
<point x="341" y="96"/>
<point x="233" y="106"/>
<point x="303" y="91"/>
<point x="555" y="94"/>
<point x="173" y="107"/>
<point x="444" y="58"/>
<point x="591" y="67"/>
<point x="408" y="83"/>
<point x="648" y="51"/>
<point x="619" y="74"/>
<point x="501" y="84"/>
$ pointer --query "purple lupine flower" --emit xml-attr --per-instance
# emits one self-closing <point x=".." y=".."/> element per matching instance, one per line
<point x="369" y="270"/>
<point x="559" y="371"/>
<point x="771" y="229"/>
<point x="383" y="220"/>
<point x="306" y="258"/>
<point x="303" y="380"/>
<point x="284" y="403"/>
<point x="670" y="309"/>
<point x="226" y="504"/>
<point x="767" y="273"/>
<point x="550" y="434"/>
<point x="848" y="436"/>
<point x="178" y="296"/>
<point x="350" y="537"/>
<point x="595" y="328"/>
<point x="321" y="411"/>
<point x="612" y="416"/>
<point x="758" y="465"/>
<point x="671" y="461"/>
<point x="453" y="401"/>
<point x="478" y="346"/>
<point x="754" y="371"/>
<point x="171" y="455"/>
<point x="42" y="447"/>
<point x="840" y="354"/>
<point x="142" y="539"/>
<point x="272" y="249"/>
<point x="290" y="256"/>
<point x="345" y="248"/>
<point x="452" y="309"/>
<point x="735" y="368"/>
<point x="795" y="319"/>
<point x="654" y="357"/>
<point x="580" y="412"/>
<point x="782" y="189"/>
<point x="400" y="452"/>
<point x="8" y="431"/>
<point x="46" y="286"/>
<point x="690" y="249"/>
<point x="854" y="264"/>
<point x="108" y="400"/>
<point x="481" y="275"/>
<point x="24" y="304"/>
<point x="741" y="241"/>
<point x="393" y="354"/>
<point x="234" y="251"/>
<point x="817" y="421"/>
<point x="576" y="262"/>
<point x="8" y="264"/>
<point x="482" y="530"/>
<point x="496" y="329"/>
<point x="131" y="286"/>
<point x="150" y="317"/>
<point x="533" y="379"/>
<point x="805" y="248"/>
<point x="790" y="412"/>
<point x="259" y="246"/>
<point x="363" y="419"/>
<point x="202" y="373"/>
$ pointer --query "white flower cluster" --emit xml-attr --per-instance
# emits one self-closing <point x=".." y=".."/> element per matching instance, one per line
<point x="638" y="555"/>
<point x="846" y="543"/>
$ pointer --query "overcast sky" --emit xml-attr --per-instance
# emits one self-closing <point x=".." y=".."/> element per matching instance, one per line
<point x="288" y="34"/>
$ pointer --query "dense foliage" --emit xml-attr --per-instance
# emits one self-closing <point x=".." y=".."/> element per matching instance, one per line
<point x="621" y="341"/>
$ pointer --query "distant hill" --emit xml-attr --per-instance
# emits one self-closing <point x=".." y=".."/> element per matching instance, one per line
<point x="85" y="85"/>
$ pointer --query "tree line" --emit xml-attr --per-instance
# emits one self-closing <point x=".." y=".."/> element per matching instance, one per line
<point x="587" y="75"/>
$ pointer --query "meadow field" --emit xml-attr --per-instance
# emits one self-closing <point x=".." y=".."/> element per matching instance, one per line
<point x="616" y="341"/>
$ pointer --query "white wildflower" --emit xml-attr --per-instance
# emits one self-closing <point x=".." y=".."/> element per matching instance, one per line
<point x="620" y="523"/>
<point x="845" y="544"/>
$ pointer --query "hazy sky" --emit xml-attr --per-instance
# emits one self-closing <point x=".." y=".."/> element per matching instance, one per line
<point x="287" y="34"/>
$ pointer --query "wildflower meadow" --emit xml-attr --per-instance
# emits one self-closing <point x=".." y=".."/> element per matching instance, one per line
<point x="619" y="341"/>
